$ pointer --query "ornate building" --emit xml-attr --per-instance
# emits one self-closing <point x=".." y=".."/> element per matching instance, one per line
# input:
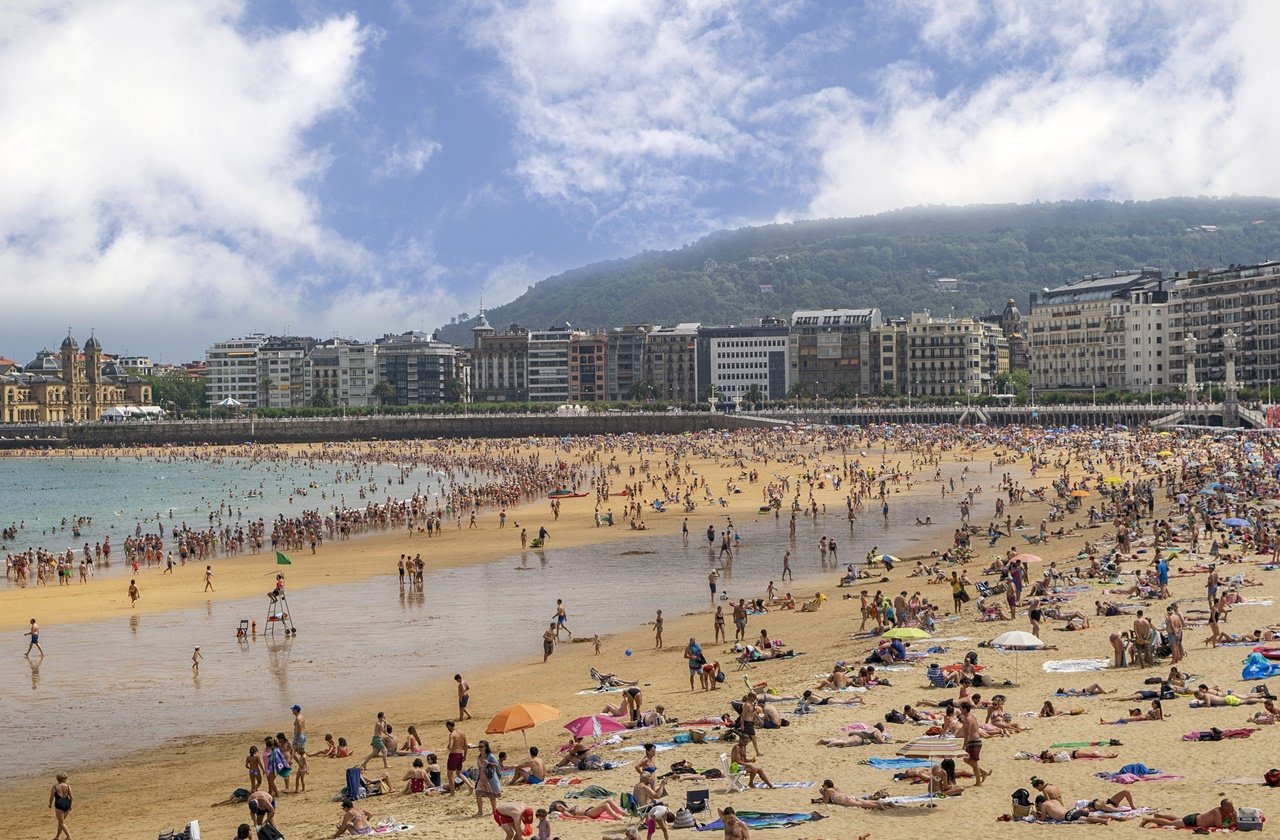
<point x="69" y="386"/>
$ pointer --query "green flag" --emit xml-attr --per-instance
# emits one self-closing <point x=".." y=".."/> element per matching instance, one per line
<point x="281" y="560"/>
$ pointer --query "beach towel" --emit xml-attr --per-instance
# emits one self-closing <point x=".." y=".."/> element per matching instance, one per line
<point x="391" y="827"/>
<point x="660" y="746"/>
<point x="355" y="790"/>
<point x="896" y="763"/>
<point x="603" y="690"/>
<point x="1077" y="744"/>
<point x="763" y="786"/>
<point x="912" y="799"/>
<point x="591" y="792"/>
<point x="766" y="819"/>
<point x="1074" y="666"/>
<point x="562" y="781"/>
<point x="583" y="817"/>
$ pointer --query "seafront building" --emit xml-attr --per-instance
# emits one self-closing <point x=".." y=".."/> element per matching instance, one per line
<point x="231" y="371"/>
<point x="829" y="352"/>
<point x="416" y="368"/>
<point x="341" y="372"/>
<point x="671" y="362"/>
<point x="70" y="386"/>
<point x="744" y="361"/>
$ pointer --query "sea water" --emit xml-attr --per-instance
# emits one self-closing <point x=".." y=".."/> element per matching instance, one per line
<point x="116" y="685"/>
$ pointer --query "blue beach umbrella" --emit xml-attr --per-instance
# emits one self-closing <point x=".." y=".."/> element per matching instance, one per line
<point x="1237" y="522"/>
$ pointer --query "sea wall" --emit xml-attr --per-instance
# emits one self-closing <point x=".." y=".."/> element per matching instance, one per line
<point x="385" y="428"/>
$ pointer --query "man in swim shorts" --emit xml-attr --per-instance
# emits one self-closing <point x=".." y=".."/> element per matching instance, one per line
<point x="971" y="733"/>
<point x="506" y="815"/>
<point x="299" y="729"/>
<point x="262" y="808"/>
<point x="457" y="754"/>
<point x="34" y="633"/>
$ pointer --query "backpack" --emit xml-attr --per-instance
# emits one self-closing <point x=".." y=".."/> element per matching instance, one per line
<point x="895" y="716"/>
<point x="684" y="819"/>
<point x="1272" y="777"/>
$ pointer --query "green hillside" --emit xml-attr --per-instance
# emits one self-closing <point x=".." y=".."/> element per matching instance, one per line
<point x="892" y="261"/>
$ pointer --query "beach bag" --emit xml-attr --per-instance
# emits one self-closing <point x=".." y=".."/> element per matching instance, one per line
<point x="963" y="596"/>
<point x="684" y="819"/>
<point x="1272" y="777"/>
<point x="1249" y="819"/>
<point x="895" y="716"/>
<point x="697" y="735"/>
<point x="269" y="832"/>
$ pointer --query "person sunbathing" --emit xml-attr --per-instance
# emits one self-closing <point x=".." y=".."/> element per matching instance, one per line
<point x="739" y="756"/>
<point x="1165" y="690"/>
<point x="1223" y="816"/>
<point x="832" y="795"/>
<point x="608" y="809"/>
<point x="1134" y="716"/>
<point x="1063" y="756"/>
<point x="1111" y="805"/>
<point x="1052" y="809"/>
<point x="1087" y="691"/>
<point x="611" y="680"/>
<point x="811" y="699"/>
<point x="1214" y="700"/>
<point x="839" y="679"/>
<point x="1048" y="711"/>
<point x="874" y="735"/>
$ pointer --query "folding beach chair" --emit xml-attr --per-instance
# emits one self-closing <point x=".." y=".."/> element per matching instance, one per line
<point x="734" y="780"/>
<point x="697" y="801"/>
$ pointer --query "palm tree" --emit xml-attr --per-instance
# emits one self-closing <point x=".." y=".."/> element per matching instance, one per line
<point x="384" y="391"/>
<point x="844" y="391"/>
<point x="797" y="392"/>
<point x="754" y="397"/>
<point x="321" y="398"/>
<point x="453" y="391"/>
<point x="640" y="391"/>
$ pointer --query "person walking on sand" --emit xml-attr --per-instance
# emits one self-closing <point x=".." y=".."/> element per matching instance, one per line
<point x="60" y="802"/>
<point x="711" y="582"/>
<point x="134" y="594"/>
<point x="464" y="697"/>
<point x="378" y="742"/>
<point x="195" y="661"/>
<point x="971" y="734"/>
<point x="299" y="729"/>
<point x="657" y="631"/>
<point x="786" y="567"/>
<point x="457" y="749"/>
<point x="548" y="642"/>
<point x="34" y="633"/>
<point x="562" y="616"/>
<point x="208" y="578"/>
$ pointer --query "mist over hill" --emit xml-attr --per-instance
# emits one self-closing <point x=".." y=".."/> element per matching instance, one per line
<point x="894" y="261"/>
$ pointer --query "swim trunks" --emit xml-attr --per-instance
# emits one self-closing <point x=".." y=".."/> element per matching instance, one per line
<point x="547" y="647"/>
<point x="377" y="744"/>
<point x="502" y="819"/>
<point x="35" y="638"/>
<point x="973" y="748"/>
<point x="455" y="762"/>
<point x="300" y="741"/>
<point x="463" y="701"/>
<point x="1231" y="700"/>
<point x="1073" y="815"/>
<point x="534" y="780"/>
<point x="1190" y="820"/>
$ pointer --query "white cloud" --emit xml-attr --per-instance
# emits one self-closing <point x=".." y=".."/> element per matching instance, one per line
<point x="620" y="105"/>
<point x="1116" y="103"/>
<point x="407" y="158"/>
<point x="157" y="175"/>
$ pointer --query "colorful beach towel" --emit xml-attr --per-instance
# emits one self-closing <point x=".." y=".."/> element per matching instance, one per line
<point x="896" y="763"/>
<point x="763" y="786"/>
<point x="766" y="819"/>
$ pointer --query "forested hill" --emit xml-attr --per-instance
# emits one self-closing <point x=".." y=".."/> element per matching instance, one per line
<point x="894" y="260"/>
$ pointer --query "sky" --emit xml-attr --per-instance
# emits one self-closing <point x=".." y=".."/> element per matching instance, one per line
<point x="175" y="172"/>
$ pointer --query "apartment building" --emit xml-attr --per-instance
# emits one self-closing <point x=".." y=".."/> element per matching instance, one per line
<point x="1078" y="331"/>
<point x="342" y="372"/>
<point x="736" y="360"/>
<point x="938" y="357"/>
<point x="829" y="351"/>
<point x="671" y="362"/>
<point x="282" y="371"/>
<point x="499" y="363"/>
<point x="419" y="369"/>
<point x="624" y="361"/>
<point x="231" y="370"/>
<point x="588" y="369"/>
<point x="549" y="363"/>
<point x="1242" y="298"/>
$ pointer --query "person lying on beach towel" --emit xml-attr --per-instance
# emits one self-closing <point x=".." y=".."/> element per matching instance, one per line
<point x="1207" y="700"/>
<point x="1138" y="716"/>
<point x="606" y="810"/>
<point x="1063" y="756"/>
<point x="1216" y="734"/>
<point x="1054" y="811"/>
<point x="874" y="735"/>
<point x="832" y="795"/>
<point x="1087" y="691"/>
<point x="1223" y="816"/>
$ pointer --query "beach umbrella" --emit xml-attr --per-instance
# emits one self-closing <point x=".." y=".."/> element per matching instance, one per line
<point x="1113" y="479"/>
<point x="1165" y="453"/>
<point x="593" y="726"/>
<point x="1028" y="558"/>
<point x="520" y="717"/>
<point x="906" y="634"/>
<point x="933" y="748"/>
<point x="885" y="558"/>
<point x="1016" y="640"/>
<point x="1080" y="494"/>
<point x="230" y="402"/>
<point x="1237" y="522"/>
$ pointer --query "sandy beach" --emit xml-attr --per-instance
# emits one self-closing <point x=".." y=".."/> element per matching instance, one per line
<point x="169" y="786"/>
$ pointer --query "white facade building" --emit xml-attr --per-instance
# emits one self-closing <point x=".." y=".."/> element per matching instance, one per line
<point x="549" y="364"/>
<point x="345" y="371"/>
<point x="232" y="370"/>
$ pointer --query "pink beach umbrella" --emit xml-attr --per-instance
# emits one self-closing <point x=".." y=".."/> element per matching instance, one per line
<point x="593" y="726"/>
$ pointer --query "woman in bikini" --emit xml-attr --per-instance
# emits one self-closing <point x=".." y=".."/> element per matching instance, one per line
<point x="606" y="810"/>
<point x="253" y="763"/>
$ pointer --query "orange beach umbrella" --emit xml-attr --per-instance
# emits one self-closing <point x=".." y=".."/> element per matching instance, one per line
<point x="520" y="717"/>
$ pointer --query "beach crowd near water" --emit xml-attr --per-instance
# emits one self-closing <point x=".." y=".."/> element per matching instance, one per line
<point x="1099" y="600"/>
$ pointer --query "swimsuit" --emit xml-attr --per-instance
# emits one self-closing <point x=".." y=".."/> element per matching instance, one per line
<point x="455" y="762"/>
<point x="534" y="780"/>
<point x="1190" y="820"/>
<point x="377" y="744"/>
<point x="973" y="748"/>
<point x="1231" y="700"/>
<point x="62" y="803"/>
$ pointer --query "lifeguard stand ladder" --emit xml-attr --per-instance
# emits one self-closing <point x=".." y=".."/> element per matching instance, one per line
<point x="278" y="614"/>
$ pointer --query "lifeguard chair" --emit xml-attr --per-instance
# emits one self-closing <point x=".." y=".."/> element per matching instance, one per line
<point x="278" y="613"/>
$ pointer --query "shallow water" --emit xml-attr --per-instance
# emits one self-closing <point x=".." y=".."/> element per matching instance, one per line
<point x="119" y="494"/>
<point x="116" y="685"/>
